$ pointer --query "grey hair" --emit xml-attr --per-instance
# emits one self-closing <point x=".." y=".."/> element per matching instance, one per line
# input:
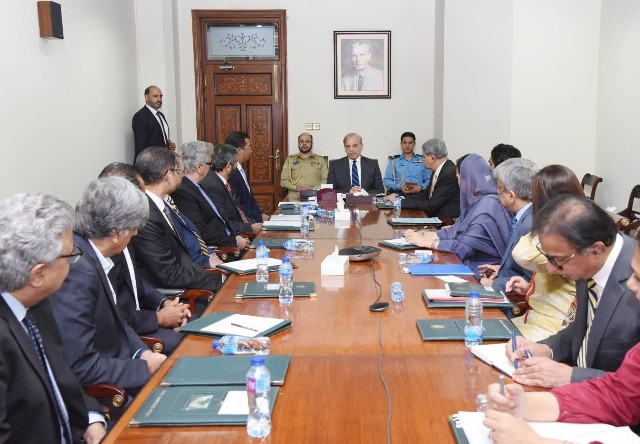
<point x="110" y="204"/>
<point x="436" y="147"/>
<point x="32" y="227"/>
<point x="224" y="154"/>
<point x="516" y="174"/>
<point x="195" y="153"/>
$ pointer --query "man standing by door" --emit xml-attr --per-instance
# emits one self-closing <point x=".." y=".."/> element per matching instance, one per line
<point x="150" y="126"/>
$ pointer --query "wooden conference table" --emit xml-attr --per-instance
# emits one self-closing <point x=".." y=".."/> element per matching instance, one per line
<point x="333" y="392"/>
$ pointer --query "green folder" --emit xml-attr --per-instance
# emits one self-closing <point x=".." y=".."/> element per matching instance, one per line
<point x="269" y="242"/>
<point x="453" y="329"/>
<point x="189" y="406"/>
<point x="289" y="211"/>
<point x="461" y="304"/>
<point x="414" y="221"/>
<point x="398" y="247"/>
<point x="195" y="327"/>
<point x="223" y="370"/>
<point x="284" y="226"/>
<point x="462" y="289"/>
<point x="230" y="268"/>
<point x="249" y="290"/>
<point x="458" y="431"/>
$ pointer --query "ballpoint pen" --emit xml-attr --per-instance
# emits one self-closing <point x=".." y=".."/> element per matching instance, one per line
<point x="242" y="326"/>
<point x="514" y="347"/>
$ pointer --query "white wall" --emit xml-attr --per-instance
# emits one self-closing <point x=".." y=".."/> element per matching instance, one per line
<point x="310" y="27"/>
<point x="618" y="128"/>
<point x="66" y="104"/>
<point x="555" y="80"/>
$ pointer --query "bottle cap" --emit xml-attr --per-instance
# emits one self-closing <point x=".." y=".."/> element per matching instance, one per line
<point x="215" y="344"/>
<point x="257" y="360"/>
<point x="474" y="294"/>
<point x="261" y="243"/>
<point x="285" y="259"/>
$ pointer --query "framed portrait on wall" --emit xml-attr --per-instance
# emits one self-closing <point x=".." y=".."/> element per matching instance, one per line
<point x="362" y="64"/>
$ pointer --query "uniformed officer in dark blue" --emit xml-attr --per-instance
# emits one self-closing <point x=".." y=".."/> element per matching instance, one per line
<point x="406" y="174"/>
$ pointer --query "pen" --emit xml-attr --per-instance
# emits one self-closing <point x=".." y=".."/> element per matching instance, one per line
<point x="528" y="353"/>
<point x="514" y="347"/>
<point x="501" y="377"/>
<point x="246" y="328"/>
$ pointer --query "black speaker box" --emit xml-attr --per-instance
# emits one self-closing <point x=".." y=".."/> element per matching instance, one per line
<point x="50" y="18"/>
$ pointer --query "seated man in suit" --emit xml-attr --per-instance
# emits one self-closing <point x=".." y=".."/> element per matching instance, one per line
<point x="163" y="258"/>
<point x="441" y="198"/>
<point x="354" y="173"/>
<point x="239" y="181"/>
<point x="407" y="168"/>
<point x="99" y="345"/>
<point x="40" y="397"/>
<point x="514" y="178"/>
<point x="581" y="242"/>
<point x="216" y="184"/>
<point x="193" y="201"/>
<point x="502" y="152"/>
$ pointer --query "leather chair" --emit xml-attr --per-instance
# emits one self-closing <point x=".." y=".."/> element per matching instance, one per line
<point x="591" y="181"/>
<point x="632" y="215"/>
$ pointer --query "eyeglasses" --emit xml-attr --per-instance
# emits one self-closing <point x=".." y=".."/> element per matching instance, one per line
<point x="209" y="163"/>
<point x="552" y="261"/>
<point x="178" y="172"/>
<point x="74" y="256"/>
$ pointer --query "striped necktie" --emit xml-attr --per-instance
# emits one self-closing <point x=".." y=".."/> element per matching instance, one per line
<point x="355" y="180"/>
<point x="233" y="199"/>
<point x="36" y="340"/>
<point x="592" y="295"/>
<point x="203" y="245"/>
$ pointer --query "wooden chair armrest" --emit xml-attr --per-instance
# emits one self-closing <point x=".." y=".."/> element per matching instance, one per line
<point x="156" y="345"/>
<point x="519" y="309"/>
<point x="225" y="252"/>
<point x="192" y="295"/>
<point x="117" y="395"/>
<point x="213" y="270"/>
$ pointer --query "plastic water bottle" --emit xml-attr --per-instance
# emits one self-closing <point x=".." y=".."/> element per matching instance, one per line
<point x="481" y="402"/>
<point x="473" y="314"/>
<point x="295" y="245"/>
<point x="240" y="345"/>
<point x="262" y="262"/>
<point x="397" y="292"/>
<point x="413" y="258"/>
<point x="258" y="387"/>
<point x="304" y="219"/>
<point x="325" y="213"/>
<point x="286" y="282"/>
<point x="397" y="206"/>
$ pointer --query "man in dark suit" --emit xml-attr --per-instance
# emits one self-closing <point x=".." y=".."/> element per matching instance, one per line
<point x="240" y="182"/>
<point x="150" y="127"/>
<point x="36" y="404"/>
<point x="581" y="242"/>
<point x="193" y="201"/>
<point x="162" y="257"/>
<point x="99" y="345"/>
<point x="353" y="173"/>
<point x="216" y="184"/>
<point x="441" y="198"/>
<point x="514" y="178"/>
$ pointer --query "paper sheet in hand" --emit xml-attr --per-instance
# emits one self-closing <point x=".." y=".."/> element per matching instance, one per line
<point x="251" y="325"/>
<point x="493" y="354"/>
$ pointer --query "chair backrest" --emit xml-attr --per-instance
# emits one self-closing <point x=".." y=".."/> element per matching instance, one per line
<point x="326" y="159"/>
<point x="591" y="181"/>
<point x="633" y="210"/>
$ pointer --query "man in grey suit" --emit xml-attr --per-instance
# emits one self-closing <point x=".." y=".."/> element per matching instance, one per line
<point x="354" y="173"/>
<point x="364" y="76"/>
<point x="514" y="178"/>
<point x="580" y="242"/>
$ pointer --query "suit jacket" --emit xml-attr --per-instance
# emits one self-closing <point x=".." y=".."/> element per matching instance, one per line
<point x="146" y="130"/>
<point x="186" y="230"/>
<point x="615" y="327"/>
<point x="28" y="411"/>
<point x="217" y="192"/>
<point x="372" y="80"/>
<point x="244" y="197"/>
<point x="445" y="200"/>
<point x="164" y="261"/>
<point x="340" y="175"/>
<point x="145" y="320"/>
<point x="192" y="203"/>
<point x="508" y="266"/>
<point x="99" y="345"/>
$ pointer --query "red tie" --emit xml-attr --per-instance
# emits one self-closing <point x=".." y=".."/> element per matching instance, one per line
<point x="244" y="218"/>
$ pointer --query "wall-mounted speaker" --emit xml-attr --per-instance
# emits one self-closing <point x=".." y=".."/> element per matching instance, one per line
<point x="50" y="18"/>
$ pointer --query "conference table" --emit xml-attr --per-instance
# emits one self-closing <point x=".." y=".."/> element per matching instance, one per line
<point x="333" y="391"/>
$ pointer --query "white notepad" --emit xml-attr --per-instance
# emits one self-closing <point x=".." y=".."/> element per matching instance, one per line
<point x="241" y="325"/>
<point x="493" y="354"/>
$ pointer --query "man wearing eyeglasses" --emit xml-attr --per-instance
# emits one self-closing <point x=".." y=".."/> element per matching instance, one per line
<point x="581" y="242"/>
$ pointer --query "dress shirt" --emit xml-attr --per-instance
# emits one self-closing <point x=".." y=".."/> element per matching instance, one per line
<point x="163" y="122"/>
<point x="161" y="206"/>
<point x="521" y="212"/>
<point x="132" y="275"/>
<point x="359" y="165"/>
<point x="602" y="276"/>
<point x="107" y="265"/>
<point x="436" y="173"/>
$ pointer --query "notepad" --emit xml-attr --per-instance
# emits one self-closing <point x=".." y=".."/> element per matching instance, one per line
<point x="439" y="298"/>
<point x="220" y="323"/>
<point x="281" y="217"/>
<point x="494" y="355"/>
<point x="248" y="266"/>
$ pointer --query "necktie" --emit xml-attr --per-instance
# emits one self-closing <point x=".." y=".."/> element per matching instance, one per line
<point x="360" y="80"/>
<point x="433" y="184"/>
<point x="355" y="181"/>
<point x="162" y="123"/>
<point x="244" y="218"/>
<point x="214" y="208"/>
<point x="36" y="340"/>
<point x="167" y="214"/>
<point x="514" y="222"/>
<point x="203" y="245"/>
<point x="592" y="296"/>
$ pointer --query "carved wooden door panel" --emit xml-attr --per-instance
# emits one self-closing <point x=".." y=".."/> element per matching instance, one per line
<point x="249" y="96"/>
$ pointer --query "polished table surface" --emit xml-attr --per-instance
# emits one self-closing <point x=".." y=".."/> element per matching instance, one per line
<point x="333" y="392"/>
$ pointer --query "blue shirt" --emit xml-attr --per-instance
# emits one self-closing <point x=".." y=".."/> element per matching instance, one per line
<point x="412" y="170"/>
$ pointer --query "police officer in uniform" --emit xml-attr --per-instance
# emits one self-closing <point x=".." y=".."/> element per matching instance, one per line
<point x="406" y="174"/>
<point x="304" y="170"/>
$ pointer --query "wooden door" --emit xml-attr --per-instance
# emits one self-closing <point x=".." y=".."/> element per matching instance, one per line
<point x="245" y="95"/>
